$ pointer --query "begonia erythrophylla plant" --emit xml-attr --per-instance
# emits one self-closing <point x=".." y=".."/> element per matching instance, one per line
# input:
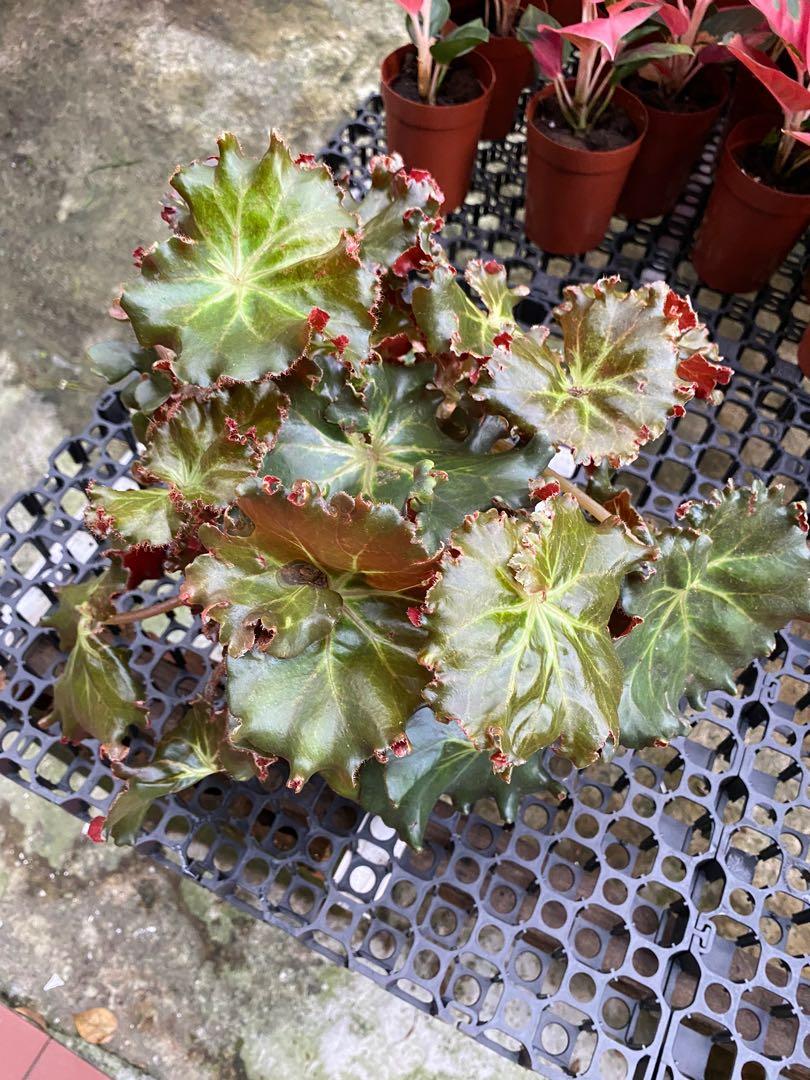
<point x="349" y="482"/>
<point x="604" y="40"/>
<point x="790" y="22"/>
<point x="435" y="49"/>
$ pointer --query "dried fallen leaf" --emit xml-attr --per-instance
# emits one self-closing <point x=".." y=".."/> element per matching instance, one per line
<point x="96" y="1026"/>
<point x="32" y="1015"/>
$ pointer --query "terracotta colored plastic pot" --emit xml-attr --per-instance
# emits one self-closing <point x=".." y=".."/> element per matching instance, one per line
<point x="748" y="228"/>
<point x="462" y="11"/>
<point x="566" y="12"/>
<point x="571" y="194"/>
<point x="441" y="139"/>
<point x="804" y="353"/>
<point x="673" y="142"/>
<point x="750" y="98"/>
<point x="514" y="70"/>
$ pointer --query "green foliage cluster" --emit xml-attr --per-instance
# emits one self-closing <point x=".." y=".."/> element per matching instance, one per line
<point x="345" y="465"/>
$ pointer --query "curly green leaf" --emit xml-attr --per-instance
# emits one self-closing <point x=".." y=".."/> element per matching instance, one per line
<point x="737" y="571"/>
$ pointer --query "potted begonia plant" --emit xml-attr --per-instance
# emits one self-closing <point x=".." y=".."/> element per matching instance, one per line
<point x="350" y="483"/>
<point x="436" y="93"/>
<point x="683" y="96"/>
<point x="760" y="203"/>
<point x="585" y="132"/>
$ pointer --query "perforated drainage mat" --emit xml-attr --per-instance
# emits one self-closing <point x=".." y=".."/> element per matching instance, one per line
<point x="656" y="923"/>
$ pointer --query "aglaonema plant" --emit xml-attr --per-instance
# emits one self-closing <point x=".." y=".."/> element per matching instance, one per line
<point x="437" y="48"/>
<point x="346" y="475"/>
<point x="790" y="23"/>
<point x="607" y="52"/>
<point x="701" y="29"/>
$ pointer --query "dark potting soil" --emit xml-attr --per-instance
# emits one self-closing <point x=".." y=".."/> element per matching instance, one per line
<point x="459" y="86"/>
<point x="758" y="162"/>
<point x="698" y="94"/>
<point x="613" y="130"/>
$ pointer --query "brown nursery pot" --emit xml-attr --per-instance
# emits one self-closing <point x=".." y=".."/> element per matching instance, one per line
<point x="750" y="98"/>
<point x="748" y="228"/>
<point x="514" y="70"/>
<point x="670" y="148"/>
<point x="442" y="139"/>
<point x="566" y="12"/>
<point x="462" y="11"/>
<point x="571" y="194"/>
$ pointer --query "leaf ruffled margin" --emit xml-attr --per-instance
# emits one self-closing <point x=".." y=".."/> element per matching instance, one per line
<point x="313" y="608"/>
<point x="443" y="761"/>
<point x="628" y="362"/>
<point x="96" y="693"/>
<point x="736" y="570"/>
<point x="198" y="747"/>
<point x="520" y="648"/>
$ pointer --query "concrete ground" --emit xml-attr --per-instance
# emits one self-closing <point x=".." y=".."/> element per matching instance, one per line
<point x="99" y="99"/>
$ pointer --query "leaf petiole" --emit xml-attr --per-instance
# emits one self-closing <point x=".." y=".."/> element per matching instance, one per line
<point x="139" y="614"/>
<point x="585" y="501"/>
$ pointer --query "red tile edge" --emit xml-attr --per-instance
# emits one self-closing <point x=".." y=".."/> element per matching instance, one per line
<point x="21" y="1043"/>
<point x="56" y="1062"/>
<point x="28" y="1053"/>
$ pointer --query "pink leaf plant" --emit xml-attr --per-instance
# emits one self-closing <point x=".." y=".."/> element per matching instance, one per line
<point x="435" y="48"/>
<point x="604" y="40"/>
<point x="697" y="26"/>
<point x="789" y="20"/>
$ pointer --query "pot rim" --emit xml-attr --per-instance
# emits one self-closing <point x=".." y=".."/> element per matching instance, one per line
<point x="725" y="88"/>
<point x="481" y="67"/>
<point x="602" y="155"/>
<point x="746" y="133"/>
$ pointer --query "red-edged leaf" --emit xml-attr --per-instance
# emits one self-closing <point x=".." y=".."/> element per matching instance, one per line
<point x="413" y="7"/>
<point x="698" y="357"/>
<point x="800" y="136"/>
<point x="791" y="94"/>
<point x="347" y="534"/>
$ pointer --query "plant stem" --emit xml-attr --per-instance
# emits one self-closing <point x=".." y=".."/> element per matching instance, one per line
<point x="139" y="614"/>
<point x="423" y="43"/>
<point x="585" y="501"/>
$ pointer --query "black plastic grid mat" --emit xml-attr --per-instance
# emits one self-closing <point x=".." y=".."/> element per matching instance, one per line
<point x="656" y="923"/>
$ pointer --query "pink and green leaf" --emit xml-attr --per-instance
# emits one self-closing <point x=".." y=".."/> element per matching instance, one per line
<point x="268" y="269"/>
<point x="790" y="21"/>
<point x="612" y="387"/>
<point x="519" y="642"/>
<point x="608" y="32"/>
<point x="792" y="95"/>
